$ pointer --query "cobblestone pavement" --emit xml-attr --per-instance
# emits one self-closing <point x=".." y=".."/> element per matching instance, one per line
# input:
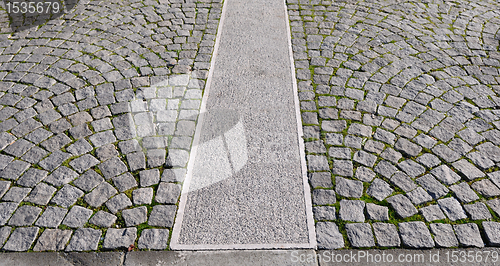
<point x="89" y="102"/>
<point x="399" y="103"/>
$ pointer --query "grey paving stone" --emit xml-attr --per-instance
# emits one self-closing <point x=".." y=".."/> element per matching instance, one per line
<point x="402" y="205"/>
<point x="119" y="238"/>
<point x="407" y="147"/>
<point x="478" y="211"/>
<point x="364" y="174"/>
<point x="32" y="177"/>
<point x="415" y="235"/>
<point x="38" y="135"/>
<point x="136" y="216"/>
<point x="464" y="193"/>
<point x="491" y="150"/>
<point x="419" y="196"/>
<point x="377" y="212"/>
<point x="403" y="181"/>
<point x="88" y="181"/>
<point x="342" y="168"/>
<point x="334" y="125"/>
<point x="106" y="152"/>
<point x="341" y="153"/>
<point x="324" y="213"/>
<point x="103" y="219"/>
<point x="21" y="239"/>
<point x="391" y="155"/>
<point x="373" y="146"/>
<point x="100" y="194"/>
<point x="14" y="169"/>
<point x="41" y="194"/>
<point x="331" y="138"/>
<point x="4" y="234"/>
<point x="54" y="160"/>
<point x="80" y="147"/>
<point x="67" y="196"/>
<point x="162" y="215"/>
<point x="156" y="239"/>
<point x="6" y="139"/>
<point x="348" y="188"/>
<point x="168" y="193"/>
<point x="470" y="136"/>
<point x="16" y="194"/>
<point x="444" y="235"/>
<point x="481" y="160"/>
<point x="359" y="130"/>
<point x="446" y="153"/>
<point x="51" y="217"/>
<point x="84" y="239"/>
<point x="102" y="124"/>
<point x="149" y="177"/>
<point x="129" y="146"/>
<point x="425" y="141"/>
<point x="318" y="179"/>
<point x="6" y="210"/>
<point x="25" y="216"/>
<point x="486" y="188"/>
<point x="173" y="175"/>
<point x="379" y="189"/>
<point x="494" y="204"/>
<point x="328" y="236"/>
<point x="124" y="182"/>
<point x="77" y="217"/>
<point x="360" y="234"/>
<point x="5" y="160"/>
<point x="4" y="186"/>
<point x="432" y="213"/>
<point x="468" y="235"/>
<point x="118" y="203"/>
<point x="384" y="136"/>
<point x="491" y="230"/>
<point x="429" y="160"/>
<point x="495" y="177"/>
<point x="386" y="234"/>
<point x="112" y="167"/>
<point x="365" y="158"/>
<point x="452" y="208"/>
<point x="53" y="240"/>
<point x="435" y="189"/>
<point x="323" y="197"/>
<point x="56" y="142"/>
<point x="468" y="170"/>
<point x="445" y="174"/>
<point x="136" y="161"/>
<point x="34" y="155"/>
<point x="385" y="168"/>
<point x="102" y="138"/>
<point x="352" y="210"/>
<point x="18" y="148"/>
<point x="412" y="168"/>
<point x="142" y="196"/>
<point x="48" y="116"/>
<point x="83" y="163"/>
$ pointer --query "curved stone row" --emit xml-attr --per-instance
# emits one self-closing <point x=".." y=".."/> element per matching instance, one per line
<point x="400" y="103"/>
<point x="89" y="104"/>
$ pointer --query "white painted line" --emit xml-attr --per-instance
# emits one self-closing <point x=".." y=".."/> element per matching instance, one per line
<point x="300" y="134"/>
<point x="196" y="141"/>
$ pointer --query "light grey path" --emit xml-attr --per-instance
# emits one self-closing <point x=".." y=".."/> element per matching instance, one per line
<point x="245" y="186"/>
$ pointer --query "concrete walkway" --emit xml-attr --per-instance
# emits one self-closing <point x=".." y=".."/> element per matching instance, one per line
<point x="246" y="185"/>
